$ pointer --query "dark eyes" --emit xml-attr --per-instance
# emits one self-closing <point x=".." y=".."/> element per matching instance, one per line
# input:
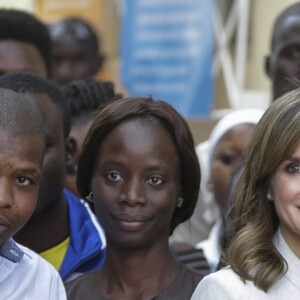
<point x="293" y="168"/>
<point x="155" y="181"/>
<point x="228" y="159"/>
<point x="23" y="181"/>
<point x="114" y="177"/>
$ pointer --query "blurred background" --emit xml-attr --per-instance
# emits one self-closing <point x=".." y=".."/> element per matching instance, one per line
<point x="240" y="31"/>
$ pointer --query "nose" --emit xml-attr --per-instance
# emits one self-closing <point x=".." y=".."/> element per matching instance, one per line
<point x="6" y="195"/>
<point x="133" y="193"/>
<point x="63" y="71"/>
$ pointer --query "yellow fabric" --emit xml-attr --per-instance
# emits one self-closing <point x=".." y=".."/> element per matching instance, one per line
<point x="56" y="254"/>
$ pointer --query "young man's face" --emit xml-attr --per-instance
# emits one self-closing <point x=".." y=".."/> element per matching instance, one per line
<point x="20" y="171"/>
<point x="53" y="169"/>
<point x="20" y="56"/>
<point x="283" y="65"/>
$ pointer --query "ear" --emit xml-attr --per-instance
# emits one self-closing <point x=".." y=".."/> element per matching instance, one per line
<point x="71" y="153"/>
<point x="268" y="69"/>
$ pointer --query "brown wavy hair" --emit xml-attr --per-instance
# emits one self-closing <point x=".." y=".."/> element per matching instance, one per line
<point x="251" y="253"/>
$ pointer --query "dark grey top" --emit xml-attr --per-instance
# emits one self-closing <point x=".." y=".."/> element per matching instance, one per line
<point x="85" y="287"/>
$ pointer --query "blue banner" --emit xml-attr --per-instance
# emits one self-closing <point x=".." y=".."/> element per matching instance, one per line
<point x="167" y="52"/>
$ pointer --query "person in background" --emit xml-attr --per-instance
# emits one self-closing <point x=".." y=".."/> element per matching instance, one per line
<point x="282" y="67"/>
<point x="24" y="274"/>
<point x="83" y="99"/>
<point x="78" y="52"/>
<point x="282" y="64"/>
<point x="264" y="254"/>
<point x="62" y="229"/>
<point x="139" y="167"/>
<point x="227" y="143"/>
<point x="25" y="44"/>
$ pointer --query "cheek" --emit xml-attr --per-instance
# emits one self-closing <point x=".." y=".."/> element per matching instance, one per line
<point x="24" y="209"/>
<point x="221" y="175"/>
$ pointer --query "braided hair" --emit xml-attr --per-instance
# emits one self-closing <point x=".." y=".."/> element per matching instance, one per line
<point x="84" y="97"/>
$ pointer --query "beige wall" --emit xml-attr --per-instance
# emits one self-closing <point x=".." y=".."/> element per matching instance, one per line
<point x="263" y="14"/>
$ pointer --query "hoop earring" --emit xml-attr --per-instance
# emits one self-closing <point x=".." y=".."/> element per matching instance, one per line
<point x="179" y="202"/>
<point x="90" y="197"/>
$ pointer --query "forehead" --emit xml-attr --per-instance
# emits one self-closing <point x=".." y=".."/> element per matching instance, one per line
<point x="238" y="135"/>
<point x="50" y="111"/>
<point x="141" y="136"/>
<point x="20" y="56"/>
<point x="27" y="147"/>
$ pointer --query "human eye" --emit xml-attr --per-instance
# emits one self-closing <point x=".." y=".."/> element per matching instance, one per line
<point x="155" y="181"/>
<point x="228" y="159"/>
<point x="114" y="177"/>
<point x="293" y="168"/>
<point x="24" y="181"/>
<point x="292" y="52"/>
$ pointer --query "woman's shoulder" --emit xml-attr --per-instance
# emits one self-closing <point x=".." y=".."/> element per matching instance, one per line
<point x="225" y="284"/>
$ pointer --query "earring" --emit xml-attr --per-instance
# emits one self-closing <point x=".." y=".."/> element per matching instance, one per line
<point x="89" y="197"/>
<point x="269" y="197"/>
<point x="179" y="202"/>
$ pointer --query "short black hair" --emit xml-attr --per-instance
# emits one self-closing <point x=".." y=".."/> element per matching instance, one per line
<point x="78" y="29"/>
<point x="19" y="116"/>
<point x="113" y="113"/>
<point x="84" y="97"/>
<point x="291" y="10"/>
<point x="26" y="82"/>
<point x="22" y="26"/>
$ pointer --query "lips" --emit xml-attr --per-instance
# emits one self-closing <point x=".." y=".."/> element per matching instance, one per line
<point x="130" y="221"/>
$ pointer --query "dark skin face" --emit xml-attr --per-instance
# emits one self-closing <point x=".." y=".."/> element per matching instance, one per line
<point x="136" y="183"/>
<point x="226" y="157"/>
<point x="284" y="62"/>
<point x="20" y="56"/>
<point x="49" y="224"/>
<point x="73" y="145"/>
<point x="20" y="171"/>
<point x="73" y="60"/>
<point x="53" y="169"/>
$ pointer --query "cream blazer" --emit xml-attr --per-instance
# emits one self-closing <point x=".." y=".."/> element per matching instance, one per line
<point x="225" y="284"/>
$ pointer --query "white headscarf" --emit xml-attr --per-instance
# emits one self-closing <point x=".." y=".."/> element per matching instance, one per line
<point x="232" y="119"/>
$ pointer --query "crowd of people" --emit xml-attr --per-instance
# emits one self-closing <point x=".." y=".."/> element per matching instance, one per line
<point x="101" y="195"/>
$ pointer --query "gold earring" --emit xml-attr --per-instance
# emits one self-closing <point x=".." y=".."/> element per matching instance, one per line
<point x="269" y="197"/>
<point x="89" y="197"/>
<point x="179" y="202"/>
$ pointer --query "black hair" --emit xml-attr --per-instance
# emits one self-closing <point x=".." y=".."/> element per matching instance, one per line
<point x="70" y="26"/>
<point x="291" y="10"/>
<point x="26" y="82"/>
<point x="22" y="26"/>
<point x="113" y="113"/>
<point x="19" y="116"/>
<point x="84" y="97"/>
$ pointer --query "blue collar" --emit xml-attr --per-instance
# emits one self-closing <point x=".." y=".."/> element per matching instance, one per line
<point x="11" y="251"/>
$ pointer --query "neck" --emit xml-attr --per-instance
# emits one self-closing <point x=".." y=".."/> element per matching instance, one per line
<point x="46" y="229"/>
<point x="137" y="274"/>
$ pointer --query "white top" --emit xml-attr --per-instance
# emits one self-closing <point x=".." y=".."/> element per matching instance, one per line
<point x="211" y="247"/>
<point x="225" y="284"/>
<point x="31" y="278"/>
<point x="206" y="212"/>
